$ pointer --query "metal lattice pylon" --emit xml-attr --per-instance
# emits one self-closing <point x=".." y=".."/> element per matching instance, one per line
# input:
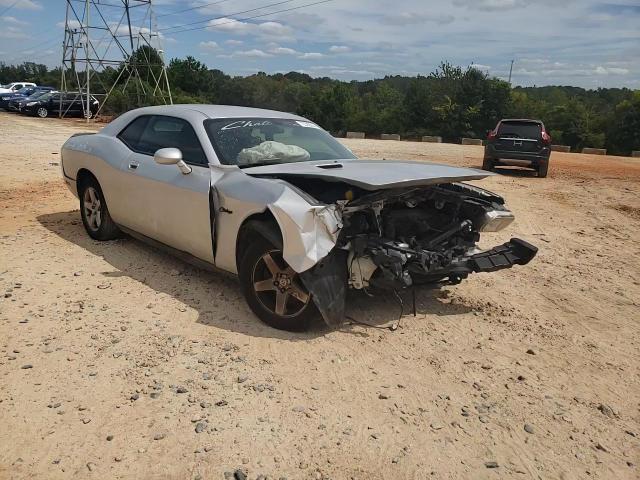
<point x="112" y="46"/>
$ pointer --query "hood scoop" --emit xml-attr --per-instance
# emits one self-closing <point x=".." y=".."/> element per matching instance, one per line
<point x="329" y="166"/>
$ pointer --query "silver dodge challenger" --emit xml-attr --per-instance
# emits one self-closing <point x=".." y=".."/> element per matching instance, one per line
<point x="274" y="199"/>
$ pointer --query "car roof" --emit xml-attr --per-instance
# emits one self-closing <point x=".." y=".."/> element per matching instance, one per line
<point x="195" y="113"/>
<point x="216" y="111"/>
<point x="523" y="120"/>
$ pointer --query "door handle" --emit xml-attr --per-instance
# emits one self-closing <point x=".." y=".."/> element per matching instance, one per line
<point x="133" y="165"/>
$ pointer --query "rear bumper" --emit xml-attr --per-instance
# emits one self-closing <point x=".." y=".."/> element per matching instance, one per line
<point x="501" y="156"/>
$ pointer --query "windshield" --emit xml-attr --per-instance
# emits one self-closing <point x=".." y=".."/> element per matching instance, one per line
<point x="25" y="90"/>
<point x="45" y="96"/>
<point x="39" y="94"/>
<point x="261" y="141"/>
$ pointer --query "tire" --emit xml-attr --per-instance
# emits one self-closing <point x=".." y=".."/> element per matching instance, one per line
<point x="487" y="163"/>
<point x="272" y="289"/>
<point x="42" y="112"/>
<point x="94" y="212"/>
<point x="543" y="169"/>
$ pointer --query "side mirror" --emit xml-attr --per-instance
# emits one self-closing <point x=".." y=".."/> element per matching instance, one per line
<point x="172" y="156"/>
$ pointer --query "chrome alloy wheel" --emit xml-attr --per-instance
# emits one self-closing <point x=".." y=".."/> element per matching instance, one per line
<point x="278" y="289"/>
<point x="92" y="208"/>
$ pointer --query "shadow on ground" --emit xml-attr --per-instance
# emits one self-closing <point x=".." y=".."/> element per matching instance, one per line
<point x="217" y="297"/>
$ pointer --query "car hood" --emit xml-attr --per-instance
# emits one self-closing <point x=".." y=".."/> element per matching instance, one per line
<point x="371" y="174"/>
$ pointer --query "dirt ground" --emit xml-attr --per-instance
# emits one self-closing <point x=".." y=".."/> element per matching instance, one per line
<point x="114" y="355"/>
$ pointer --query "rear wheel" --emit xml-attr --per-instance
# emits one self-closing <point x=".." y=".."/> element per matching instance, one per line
<point x="273" y="289"/>
<point x="95" y="214"/>
<point x="543" y="169"/>
<point x="42" y="112"/>
<point x="487" y="163"/>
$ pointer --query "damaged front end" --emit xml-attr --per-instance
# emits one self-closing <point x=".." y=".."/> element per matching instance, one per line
<point x="394" y="239"/>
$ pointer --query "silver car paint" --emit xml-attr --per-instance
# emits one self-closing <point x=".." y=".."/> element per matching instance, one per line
<point x="373" y="174"/>
<point x="162" y="203"/>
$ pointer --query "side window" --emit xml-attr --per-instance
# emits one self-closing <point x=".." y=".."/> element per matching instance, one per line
<point x="130" y="136"/>
<point x="170" y="132"/>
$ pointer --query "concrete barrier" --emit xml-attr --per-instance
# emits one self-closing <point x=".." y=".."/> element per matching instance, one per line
<point x="635" y="154"/>
<point x="432" y="139"/>
<point x="594" y="151"/>
<point x="355" y="135"/>
<point x="561" y="148"/>
<point x="389" y="136"/>
<point x="471" y="141"/>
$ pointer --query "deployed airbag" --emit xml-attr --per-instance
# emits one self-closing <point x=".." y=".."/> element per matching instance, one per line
<point x="272" y="151"/>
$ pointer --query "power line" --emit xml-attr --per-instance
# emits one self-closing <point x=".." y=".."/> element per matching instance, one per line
<point x="41" y="44"/>
<point x="251" y="17"/>
<point x="9" y="7"/>
<point x="192" y="8"/>
<point x="226" y="16"/>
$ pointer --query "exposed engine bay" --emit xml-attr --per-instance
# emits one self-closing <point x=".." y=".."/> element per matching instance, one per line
<point x="397" y="239"/>
<point x="393" y="239"/>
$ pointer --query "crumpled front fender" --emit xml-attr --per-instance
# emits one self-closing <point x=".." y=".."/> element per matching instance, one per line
<point x="309" y="232"/>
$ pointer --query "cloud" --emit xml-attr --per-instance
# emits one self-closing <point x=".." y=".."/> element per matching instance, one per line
<point x="13" y="28"/>
<point x="311" y="56"/>
<point x="254" y="53"/>
<point x="23" y="4"/>
<point x="492" y="5"/>
<point x="404" y="19"/>
<point x="339" y="49"/>
<point x="479" y="66"/>
<point x="282" y="51"/>
<point x="209" y="46"/>
<point x="600" y="70"/>
<point x="13" y="20"/>
<point x="263" y="30"/>
<point x="234" y="43"/>
<point x="10" y="32"/>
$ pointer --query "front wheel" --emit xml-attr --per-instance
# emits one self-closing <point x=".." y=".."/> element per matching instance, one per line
<point x="273" y="289"/>
<point x="95" y="214"/>
<point x="42" y="112"/>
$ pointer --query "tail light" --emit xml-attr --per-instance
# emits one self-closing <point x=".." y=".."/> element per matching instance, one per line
<point x="492" y="135"/>
<point x="546" y="139"/>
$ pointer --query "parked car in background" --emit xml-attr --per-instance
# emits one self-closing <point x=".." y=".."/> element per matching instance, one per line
<point x="275" y="199"/>
<point x="71" y="104"/>
<point x="15" y="86"/>
<point x="24" y="92"/>
<point x="19" y="104"/>
<point x="518" y="142"/>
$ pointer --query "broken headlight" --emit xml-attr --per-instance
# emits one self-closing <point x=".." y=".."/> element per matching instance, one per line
<point x="496" y="220"/>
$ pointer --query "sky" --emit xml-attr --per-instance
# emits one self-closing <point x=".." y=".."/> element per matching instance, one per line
<point x="584" y="43"/>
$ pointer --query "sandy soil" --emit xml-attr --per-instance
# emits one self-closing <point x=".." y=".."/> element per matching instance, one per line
<point x="113" y="355"/>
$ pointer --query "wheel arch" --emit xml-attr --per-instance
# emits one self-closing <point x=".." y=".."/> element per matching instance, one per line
<point x="263" y="224"/>
<point x="83" y="175"/>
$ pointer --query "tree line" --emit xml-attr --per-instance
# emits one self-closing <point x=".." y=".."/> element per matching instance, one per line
<point x="451" y="102"/>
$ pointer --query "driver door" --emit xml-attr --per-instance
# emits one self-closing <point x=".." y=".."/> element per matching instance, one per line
<point x="165" y="204"/>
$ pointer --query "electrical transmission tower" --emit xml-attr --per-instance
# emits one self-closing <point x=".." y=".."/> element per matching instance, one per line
<point x="112" y="51"/>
